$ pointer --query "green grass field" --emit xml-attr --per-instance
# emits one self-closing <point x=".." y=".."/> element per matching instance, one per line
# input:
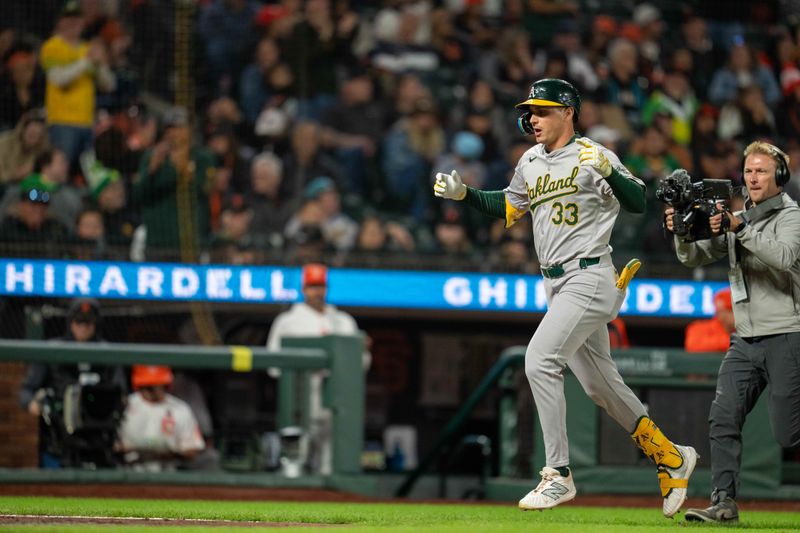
<point x="371" y="517"/>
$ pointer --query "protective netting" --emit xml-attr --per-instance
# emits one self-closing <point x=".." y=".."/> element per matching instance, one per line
<point x="235" y="131"/>
<point x="249" y="132"/>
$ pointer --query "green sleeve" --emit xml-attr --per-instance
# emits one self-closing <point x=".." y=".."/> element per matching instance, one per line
<point x="150" y="187"/>
<point x="492" y="203"/>
<point x="631" y="195"/>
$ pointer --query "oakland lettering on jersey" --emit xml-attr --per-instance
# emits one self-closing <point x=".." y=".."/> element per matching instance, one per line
<point x="548" y="188"/>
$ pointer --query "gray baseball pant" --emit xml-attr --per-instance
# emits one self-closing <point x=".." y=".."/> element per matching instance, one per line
<point x="573" y="332"/>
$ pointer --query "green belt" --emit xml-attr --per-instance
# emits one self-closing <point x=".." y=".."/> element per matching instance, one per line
<point x="556" y="271"/>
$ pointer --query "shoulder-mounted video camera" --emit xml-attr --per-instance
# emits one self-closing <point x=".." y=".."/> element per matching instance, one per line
<point x="694" y="203"/>
<point x="82" y="422"/>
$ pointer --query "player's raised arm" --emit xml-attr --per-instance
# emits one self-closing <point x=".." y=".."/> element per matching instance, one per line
<point x="492" y="203"/>
<point x="629" y="190"/>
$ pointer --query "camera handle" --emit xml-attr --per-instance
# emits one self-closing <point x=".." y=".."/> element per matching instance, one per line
<point x="725" y="222"/>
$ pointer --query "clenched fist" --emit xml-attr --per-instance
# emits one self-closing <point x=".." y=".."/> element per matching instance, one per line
<point x="449" y="186"/>
<point x="592" y="156"/>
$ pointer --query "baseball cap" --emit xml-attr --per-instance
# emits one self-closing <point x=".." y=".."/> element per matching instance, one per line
<point x="237" y="204"/>
<point x="317" y="186"/>
<point x="98" y="176"/>
<point x="631" y="32"/>
<point x="451" y="214"/>
<point x="270" y="13"/>
<point x="708" y="110"/>
<point x="315" y="274"/>
<point x="723" y="298"/>
<point x="34" y="189"/>
<point x="605" y="24"/>
<point x="150" y="376"/>
<point x="83" y="310"/>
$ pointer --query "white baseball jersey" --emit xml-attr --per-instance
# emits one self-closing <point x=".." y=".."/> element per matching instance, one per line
<point x="574" y="210"/>
<point x="573" y="207"/>
<point x="168" y="426"/>
<point x="302" y="320"/>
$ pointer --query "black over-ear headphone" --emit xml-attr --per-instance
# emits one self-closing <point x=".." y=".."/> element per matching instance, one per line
<point x="782" y="172"/>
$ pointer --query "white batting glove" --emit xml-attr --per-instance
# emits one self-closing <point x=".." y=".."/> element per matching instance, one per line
<point x="449" y="186"/>
<point x="592" y="156"/>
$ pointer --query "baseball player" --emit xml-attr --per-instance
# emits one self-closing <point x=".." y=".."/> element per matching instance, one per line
<point x="313" y="317"/>
<point x="158" y="431"/>
<point x="573" y="188"/>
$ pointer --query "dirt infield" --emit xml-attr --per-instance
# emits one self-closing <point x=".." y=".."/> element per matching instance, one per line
<point x="28" y="520"/>
<point x="218" y="493"/>
<point x="167" y="492"/>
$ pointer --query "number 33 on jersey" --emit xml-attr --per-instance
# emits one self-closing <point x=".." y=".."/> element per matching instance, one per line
<point x="573" y="206"/>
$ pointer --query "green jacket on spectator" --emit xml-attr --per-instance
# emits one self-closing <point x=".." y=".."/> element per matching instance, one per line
<point x="162" y="213"/>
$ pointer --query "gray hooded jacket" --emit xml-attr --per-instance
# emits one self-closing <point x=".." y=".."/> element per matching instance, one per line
<point x="769" y="254"/>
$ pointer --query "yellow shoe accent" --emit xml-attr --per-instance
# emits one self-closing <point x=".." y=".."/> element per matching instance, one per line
<point x="655" y="444"/>
<point x="666" y="483"/>
<point x="627" y="273"/>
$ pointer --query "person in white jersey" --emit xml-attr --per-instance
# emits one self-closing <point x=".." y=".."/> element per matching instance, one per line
<point x="574" y="187"/>
<point x="158" y="431"/>
<point x="313" y="317"/>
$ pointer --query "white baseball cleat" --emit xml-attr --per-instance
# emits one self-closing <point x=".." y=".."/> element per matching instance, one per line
<point x="674" y="481"/>
<point x="553" y="490"/>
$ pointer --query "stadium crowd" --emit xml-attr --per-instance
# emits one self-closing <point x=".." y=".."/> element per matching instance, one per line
<point x="315" y="127"/>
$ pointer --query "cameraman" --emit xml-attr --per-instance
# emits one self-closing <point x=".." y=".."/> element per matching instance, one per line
<point x="45" y="383"/>
<point x="763" y="249"/>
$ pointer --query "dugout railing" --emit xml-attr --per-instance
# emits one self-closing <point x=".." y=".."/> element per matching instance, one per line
<point x="677" y="388"/>
<point x="339" y="356"/>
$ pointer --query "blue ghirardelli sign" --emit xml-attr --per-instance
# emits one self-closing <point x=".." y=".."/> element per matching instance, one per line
<point x="347" y="287"/>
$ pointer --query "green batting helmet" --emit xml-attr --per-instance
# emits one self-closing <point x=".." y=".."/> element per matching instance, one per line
<point x="551" y="92"/>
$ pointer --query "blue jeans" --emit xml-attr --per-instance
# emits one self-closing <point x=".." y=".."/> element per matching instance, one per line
<point x="73" y="140"/>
